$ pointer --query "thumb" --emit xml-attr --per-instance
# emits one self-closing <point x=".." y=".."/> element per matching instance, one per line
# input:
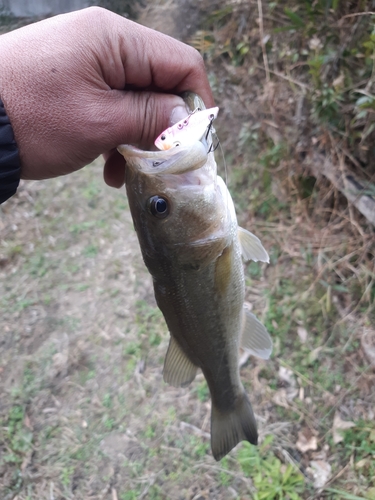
<point x="139" y="117"/>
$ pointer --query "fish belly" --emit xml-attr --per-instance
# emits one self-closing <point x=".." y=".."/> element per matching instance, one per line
<point x="203" y="311"/>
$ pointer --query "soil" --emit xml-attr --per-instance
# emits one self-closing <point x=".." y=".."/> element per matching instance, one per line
<point x="84" y="412"/>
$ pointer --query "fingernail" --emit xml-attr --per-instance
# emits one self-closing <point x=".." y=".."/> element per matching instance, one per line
<point x="178" y="113"/>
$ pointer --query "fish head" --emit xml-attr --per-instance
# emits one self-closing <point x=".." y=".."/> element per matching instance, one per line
<point x="175" y="202"/>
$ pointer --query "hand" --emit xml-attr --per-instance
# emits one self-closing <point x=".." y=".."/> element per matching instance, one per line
<point x="77" y="85"/>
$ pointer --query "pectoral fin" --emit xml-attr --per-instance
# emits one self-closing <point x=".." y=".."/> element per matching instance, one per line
<point x="178" y="371"/>
<point x="251" y="247"/>
<point x="255" y="337"/>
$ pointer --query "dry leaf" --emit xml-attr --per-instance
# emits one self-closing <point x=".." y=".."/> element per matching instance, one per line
<point x="306" y="441"/>
<point x="340" y="425"/>
<point x="313" y="355"/>
<point x="302" y="334"/>
<point x="339" y="81"/>
<point x="287" y="377"/>
<point x="315" y="43"/>
<point x="280" y="398"/>
<point x="368" y="345"/>
<point x="320" y="471"/>
<point x="362" y="463"/>
<point x="27" y="422"/>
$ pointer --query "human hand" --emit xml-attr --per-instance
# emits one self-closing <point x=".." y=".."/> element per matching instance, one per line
<point x="77" y="85"/>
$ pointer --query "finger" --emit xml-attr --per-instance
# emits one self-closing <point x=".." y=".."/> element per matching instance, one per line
<point x="137" y="117"/>
<point x="114" y="169"/>
<point x="144" y="58"/>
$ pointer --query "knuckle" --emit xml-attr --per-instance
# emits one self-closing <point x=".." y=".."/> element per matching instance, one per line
<point x="95" y="14"/>
<point x="196" y="57"/>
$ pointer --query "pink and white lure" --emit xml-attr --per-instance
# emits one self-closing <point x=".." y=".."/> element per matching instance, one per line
<point x="188" y="130"/>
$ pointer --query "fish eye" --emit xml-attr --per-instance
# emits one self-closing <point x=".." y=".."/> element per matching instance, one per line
<point x="156" y="163"/>
<point x="162" y="137"/>
<point x="177" y="144"/>
<point x="158" y="206"/>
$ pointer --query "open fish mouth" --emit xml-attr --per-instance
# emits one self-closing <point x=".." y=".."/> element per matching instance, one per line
<point x="186" y="154"/>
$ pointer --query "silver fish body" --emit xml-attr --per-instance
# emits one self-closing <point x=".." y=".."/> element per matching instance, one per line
<point x="191" y="244"/>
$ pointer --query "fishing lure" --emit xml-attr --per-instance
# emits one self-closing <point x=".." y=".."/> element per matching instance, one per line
<point x="188" y="130"/>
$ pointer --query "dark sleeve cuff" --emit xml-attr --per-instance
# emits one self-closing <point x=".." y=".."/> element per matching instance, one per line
<point x="10" y="163"/>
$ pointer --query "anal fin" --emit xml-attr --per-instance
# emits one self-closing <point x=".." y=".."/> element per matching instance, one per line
<point x="251" y="246"/>
<point x="178" y="371"/>
<point x="230" y="428"/>
<point x="254" y="336"/>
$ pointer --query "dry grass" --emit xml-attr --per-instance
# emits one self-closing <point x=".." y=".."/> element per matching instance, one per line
<point x="84" y="412"/>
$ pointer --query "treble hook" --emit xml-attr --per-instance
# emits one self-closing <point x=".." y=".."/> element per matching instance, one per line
<point x="213" y="149"/>
<point x="211" y="118"/>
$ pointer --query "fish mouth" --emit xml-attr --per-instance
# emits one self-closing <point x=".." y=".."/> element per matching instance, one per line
<point x="193" y="102"/>
<point x="176" y="160"/>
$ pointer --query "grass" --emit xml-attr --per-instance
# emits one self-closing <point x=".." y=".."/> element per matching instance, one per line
<point x="91" y="386"/>
<point x="83" y="408"/>
<point x="321" y="275"/>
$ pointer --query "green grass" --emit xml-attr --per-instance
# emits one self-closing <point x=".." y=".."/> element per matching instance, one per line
<point x="272" y="479"/>
<point x="83" y="407"/>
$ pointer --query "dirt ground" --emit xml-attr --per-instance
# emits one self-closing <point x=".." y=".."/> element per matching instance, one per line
<point x="84" y="412"/>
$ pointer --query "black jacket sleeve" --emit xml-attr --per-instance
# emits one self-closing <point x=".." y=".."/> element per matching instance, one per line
<point x="10" y="164"/>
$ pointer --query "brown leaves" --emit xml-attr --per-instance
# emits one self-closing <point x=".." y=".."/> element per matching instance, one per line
<point x="320" y="470"/>
<point x="307" y="441"/>
<point x="368" y="345"/>
<point x="289" y="390"/>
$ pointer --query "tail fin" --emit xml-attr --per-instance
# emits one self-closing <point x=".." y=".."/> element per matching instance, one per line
<point x="228" y="429"/>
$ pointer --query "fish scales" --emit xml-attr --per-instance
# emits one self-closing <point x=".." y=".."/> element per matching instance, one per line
<point x="191" y="244"/>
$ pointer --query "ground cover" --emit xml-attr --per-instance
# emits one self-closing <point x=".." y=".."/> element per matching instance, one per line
<point x="84" y="413"/>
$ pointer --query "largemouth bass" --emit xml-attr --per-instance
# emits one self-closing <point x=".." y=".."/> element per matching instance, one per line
<point x="191" y="244"/>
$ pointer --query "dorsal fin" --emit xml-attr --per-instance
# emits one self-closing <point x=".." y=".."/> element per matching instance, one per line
<point x="178" y="371"/>
<point x="251" y="247"/>
<point x="254" y="336"/>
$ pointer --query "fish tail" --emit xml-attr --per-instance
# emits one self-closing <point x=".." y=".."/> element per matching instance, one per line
<point x="230" y="428"/>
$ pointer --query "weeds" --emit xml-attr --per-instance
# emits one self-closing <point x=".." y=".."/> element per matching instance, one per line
<point x="83" y="406"/>
<point x="311" y="77"/>
<point x="17" y="436"/>
<point x="272" y="479"/>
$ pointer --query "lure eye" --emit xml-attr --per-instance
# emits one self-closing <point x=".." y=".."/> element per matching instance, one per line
<point x="158" y="207"/>
<point x="177" y="144"/>
<point x="162" y="137"/>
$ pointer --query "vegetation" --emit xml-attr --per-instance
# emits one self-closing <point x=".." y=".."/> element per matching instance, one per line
<point x="83" y="409"/>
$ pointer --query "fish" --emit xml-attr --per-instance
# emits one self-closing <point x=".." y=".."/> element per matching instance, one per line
<point x="192" y="246"/>
<point x="188" y="130"/>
